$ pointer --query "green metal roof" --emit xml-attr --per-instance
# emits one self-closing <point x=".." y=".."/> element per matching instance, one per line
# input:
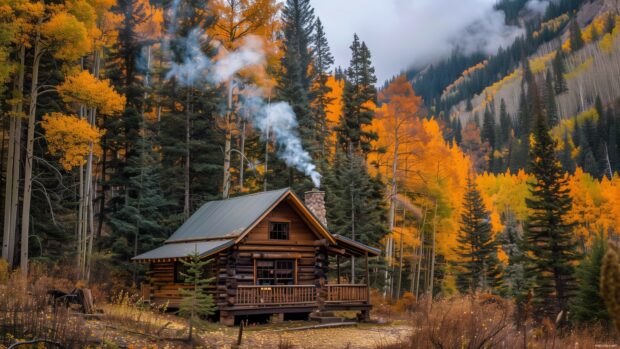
<point x="183" y="249"/>
<point x="348" y="243"/>
<point x="227" y="219"/>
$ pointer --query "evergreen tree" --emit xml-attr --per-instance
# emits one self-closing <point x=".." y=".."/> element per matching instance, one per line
<point x="576" y="36"/>
<point x="610" y="283"/>
<point x="610" y="23"/>
<point x="355" y="200"/>
<point x="588" y="306"/>
<point x="566" y="157"/>
<point x="511" y="240"/>
<point x="359" y="93"/>
<point x="551" y="107"/>
<point x="458" y="135"/>
<point x="549" y="245"/>
<point x="488" y="128"/>
<point x="322" y="63"/>
<point x="479" y="268"/>
<point x="594" y="34"/>
<point x="504" y="122"/>
<point x="559" y="69"/>
<point x="195" y="301"/>
<point x="295" y="80"/>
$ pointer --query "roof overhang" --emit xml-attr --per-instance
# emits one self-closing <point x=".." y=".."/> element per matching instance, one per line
<point x="175" y="251"/>
<point x="356" y="248"/>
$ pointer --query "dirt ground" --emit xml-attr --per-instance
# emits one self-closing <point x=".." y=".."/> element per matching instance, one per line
<point x="353" y="337"/>
<point x="265" y="336"/>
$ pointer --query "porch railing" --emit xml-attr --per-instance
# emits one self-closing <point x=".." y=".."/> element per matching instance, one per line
<point x="275" y="295"/>
<point x="347" y="293"/>
<point x="299" y="294"/>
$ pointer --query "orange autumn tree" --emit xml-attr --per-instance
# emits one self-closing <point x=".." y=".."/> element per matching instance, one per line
<point x="70" y="138"/>
<point x="394" y="124"/>
<point x="84" y="89"/>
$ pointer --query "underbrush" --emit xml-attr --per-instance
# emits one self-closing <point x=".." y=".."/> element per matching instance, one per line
<point x="26" y="313"/>
<point x="486" y="321"/>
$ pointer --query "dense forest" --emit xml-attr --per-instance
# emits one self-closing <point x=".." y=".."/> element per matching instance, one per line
<point x="121" y="118"/>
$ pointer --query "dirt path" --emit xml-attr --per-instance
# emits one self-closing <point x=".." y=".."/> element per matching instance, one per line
<point x="355" y="337"/>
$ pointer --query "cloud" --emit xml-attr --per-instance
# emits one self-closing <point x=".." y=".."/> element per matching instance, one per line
<point x="538" y="6"/>
<point x="405" y="33"/>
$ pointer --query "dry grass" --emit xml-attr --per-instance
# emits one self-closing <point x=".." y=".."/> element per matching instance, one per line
<point x="485" y="321"/>
<point x="25" y="313"/>
<point x="128" y="311"/>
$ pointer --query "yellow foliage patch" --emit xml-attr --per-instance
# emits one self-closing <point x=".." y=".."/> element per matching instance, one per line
<point x="84" y="88"/>
<point x="71" y="138"/>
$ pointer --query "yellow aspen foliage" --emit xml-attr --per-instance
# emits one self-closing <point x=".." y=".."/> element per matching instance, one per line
<point x="70" y="138"/>
<point x="67" y="37"/>
<point x="238" y="19"/>
<point x="151" y="28"/>
<point x="594" y="203"/>
<point x="84" y="88"/>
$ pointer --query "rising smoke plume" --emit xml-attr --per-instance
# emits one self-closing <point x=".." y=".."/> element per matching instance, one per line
<point x="275" y="119"/>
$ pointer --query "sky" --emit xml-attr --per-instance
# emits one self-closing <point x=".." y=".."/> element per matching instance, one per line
<point x="405" y="33"/>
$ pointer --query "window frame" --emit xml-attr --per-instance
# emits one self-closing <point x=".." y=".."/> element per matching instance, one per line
<point x="274" y="278"/>
<point x="285" y="223"/>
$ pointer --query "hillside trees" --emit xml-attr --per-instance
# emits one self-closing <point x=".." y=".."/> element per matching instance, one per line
<point x="549" y="243"/>
<point x="478" y="266"/>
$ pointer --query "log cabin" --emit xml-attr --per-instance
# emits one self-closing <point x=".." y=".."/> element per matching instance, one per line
<point x="271" y="254"/>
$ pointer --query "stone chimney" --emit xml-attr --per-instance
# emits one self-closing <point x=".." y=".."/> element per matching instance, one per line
<point x="315" y="202"/>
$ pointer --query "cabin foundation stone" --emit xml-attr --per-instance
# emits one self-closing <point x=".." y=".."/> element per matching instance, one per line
<point x="227" y="319"/>
<point x="276" y="318"/>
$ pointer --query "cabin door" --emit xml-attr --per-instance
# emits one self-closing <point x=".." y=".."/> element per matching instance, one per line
<point x="275" y="271"/>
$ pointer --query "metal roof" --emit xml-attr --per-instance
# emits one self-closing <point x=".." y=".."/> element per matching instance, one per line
<point x="347" y="243"/>
<point x="180" y="250"/>
<point x="228" y="218"/>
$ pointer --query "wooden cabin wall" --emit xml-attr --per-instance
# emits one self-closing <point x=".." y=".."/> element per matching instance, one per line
<point x="301" y="244"/>
<point x="163" y="288"/>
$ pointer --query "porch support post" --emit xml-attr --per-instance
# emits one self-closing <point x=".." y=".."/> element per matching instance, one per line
<point x="321" y="269"/>
<point x="338" y="268"/>
<point x="367" y="279"/>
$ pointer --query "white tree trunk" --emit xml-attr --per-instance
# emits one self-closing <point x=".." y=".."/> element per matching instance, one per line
<point x="11" y="198"/>
<point x="25" y="227"/>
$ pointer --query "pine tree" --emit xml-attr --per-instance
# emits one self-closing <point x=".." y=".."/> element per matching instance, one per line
<point x="511" y="240"/>
<point x="322" y="63"/>
<point x="295" y="80"/>
<point x="610" y="23"/>
<point x="551" y="107"/>
<point x="566" y="157"/>
<point x="138" y="225"/>
<point x="576" y="36"/>
<point x="505" y="122"/>
<point x="196" y="303"/>
<point x="594" y="34"/>
<point x="479" y="268"/>
<point x="359" y="93"/>
<point x="559" y="69"/>
<point x="588" y="306"/>
<point x="458" y="135"/>
<point x="355" y="200"/>
<point x="488" y="128"/>
<point x="610" y="283"/>
<point x="549" y="245"/>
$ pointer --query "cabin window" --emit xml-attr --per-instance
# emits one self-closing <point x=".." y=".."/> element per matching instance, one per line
<point x="275" y="272"/>
<point x="278" y="230"/>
